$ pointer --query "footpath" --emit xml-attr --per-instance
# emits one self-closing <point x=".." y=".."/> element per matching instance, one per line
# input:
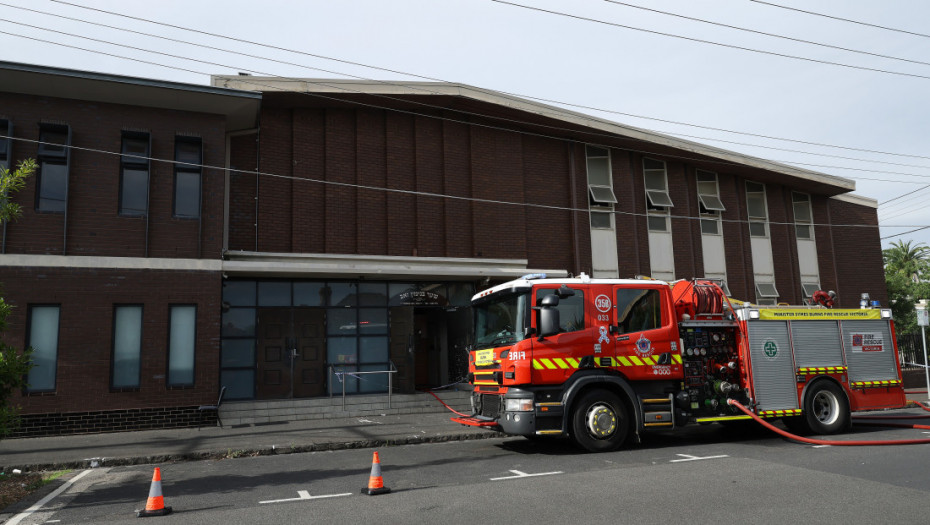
<point x="186" y="444"/>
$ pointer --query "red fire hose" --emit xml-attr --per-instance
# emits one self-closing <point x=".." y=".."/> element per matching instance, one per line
<point x="447" y="406"/>
<point x="793" y="437"/>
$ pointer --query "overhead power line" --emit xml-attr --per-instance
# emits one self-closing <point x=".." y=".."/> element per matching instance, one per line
<point x="713" y="43"/>
<point x="435" y="79"/>
<point x="773" y="35"/>
<point x="886" y="28"/>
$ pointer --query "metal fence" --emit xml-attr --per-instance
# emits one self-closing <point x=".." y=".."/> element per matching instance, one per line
<point x="911" y="351"/>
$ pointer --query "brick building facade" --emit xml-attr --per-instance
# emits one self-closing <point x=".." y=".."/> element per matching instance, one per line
<point x="348" y="231"/>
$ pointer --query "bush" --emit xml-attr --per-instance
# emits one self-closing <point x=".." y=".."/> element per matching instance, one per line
<point x="14" y="365"/>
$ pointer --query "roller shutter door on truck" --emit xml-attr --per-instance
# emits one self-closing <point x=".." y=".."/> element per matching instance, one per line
<point x="773" y="370"/>
<point x="869" y="351"/>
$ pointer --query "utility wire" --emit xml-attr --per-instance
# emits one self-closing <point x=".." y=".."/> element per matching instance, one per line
<point x="886" y="28"/>
<point x="412" y="192"/>
<point x="434" y="79"/>
<point x="903" y="233"/>
<point x="713" y="43"/>
<point x="343" y="88"/>
<point x="339" y="87"/>
<point x="773" y="35"/>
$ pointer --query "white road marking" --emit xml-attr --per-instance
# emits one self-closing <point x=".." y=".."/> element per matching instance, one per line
<point x="305" y="495"/>
<point x="821" y="446"/>
<point x="687" y="457"/>
<point x="25" y="514"/>
<point x="519" y="474"/>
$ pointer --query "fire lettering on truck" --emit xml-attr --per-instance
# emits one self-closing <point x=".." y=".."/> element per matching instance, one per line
<point x="517" y="356"/>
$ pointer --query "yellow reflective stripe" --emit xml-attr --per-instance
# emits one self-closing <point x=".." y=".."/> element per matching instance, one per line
<point x="649" y="360"/>
<point x="875" y="383"/>
<point x="624" y="361"/>
<point x="676" y="358"/>
<point x="572" y="361"/>
<point x="548" y="364"/>
<point x="780" y="413"/>
<point x="537" y="365"/>
<point x="560" y="362"/>
<point x="636" y="360"/>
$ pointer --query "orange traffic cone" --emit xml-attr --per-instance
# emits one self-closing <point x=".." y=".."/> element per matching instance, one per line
<point x="155" y="506"/>
<point x="375" y="483"/>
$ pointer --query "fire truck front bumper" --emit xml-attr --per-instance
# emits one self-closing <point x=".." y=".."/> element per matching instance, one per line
<point x="511" y="413"/>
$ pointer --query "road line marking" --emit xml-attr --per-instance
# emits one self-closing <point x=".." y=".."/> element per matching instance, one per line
<point x="304" y="495"/>
<point x="25" y="514"/>
<point x="687" y="457"/>
<point x="519" y="474"/>
<point x="821" y="446"/>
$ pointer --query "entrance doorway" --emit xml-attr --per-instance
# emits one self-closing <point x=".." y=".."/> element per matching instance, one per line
<point x="291" y="350"/>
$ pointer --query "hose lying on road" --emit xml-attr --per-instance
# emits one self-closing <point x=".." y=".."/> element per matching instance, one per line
<point x="447" y="406"/>
<point x="831" y="442"/>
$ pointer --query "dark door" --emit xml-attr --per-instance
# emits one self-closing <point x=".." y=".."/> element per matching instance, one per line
<point x="291" y="353"/>
<point x="309" y="375"/>
<point x="274" y="354"/>
<point x="401" y="353"/>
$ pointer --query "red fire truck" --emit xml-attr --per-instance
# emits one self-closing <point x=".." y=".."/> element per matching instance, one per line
<point x="602" y="360"/>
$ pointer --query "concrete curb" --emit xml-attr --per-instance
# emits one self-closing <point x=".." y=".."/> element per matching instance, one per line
<point x="249" y="452"/>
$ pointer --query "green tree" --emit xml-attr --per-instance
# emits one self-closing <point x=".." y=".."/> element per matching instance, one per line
<point x="14" y="365"/>
<point x="907" y="268"/>
<point x="12" y="181"/>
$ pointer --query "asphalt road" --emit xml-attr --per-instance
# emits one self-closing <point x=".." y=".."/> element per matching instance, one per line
<point x="700" y="475"/>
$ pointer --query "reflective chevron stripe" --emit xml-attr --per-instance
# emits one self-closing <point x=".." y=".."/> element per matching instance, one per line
<point x="869" y="384"/>
<point x="822" y="370"/>
<point x="571" y="363"/>
<point x="780" y="413"/>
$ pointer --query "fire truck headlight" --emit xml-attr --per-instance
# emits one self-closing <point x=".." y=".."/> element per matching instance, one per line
<point x="518" y="405"/>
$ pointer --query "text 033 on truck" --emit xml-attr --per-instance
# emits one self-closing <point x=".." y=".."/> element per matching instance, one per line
<point x="601" y="360"/>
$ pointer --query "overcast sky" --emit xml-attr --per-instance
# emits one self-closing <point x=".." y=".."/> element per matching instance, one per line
<point x="581" y="56"/>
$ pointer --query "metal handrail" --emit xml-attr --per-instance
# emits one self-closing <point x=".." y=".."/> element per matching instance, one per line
<point x="332" y="371"/>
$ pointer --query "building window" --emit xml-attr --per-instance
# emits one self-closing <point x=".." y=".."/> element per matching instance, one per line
<point x="709" y="203"/>
<point x="638" y="310"/>
<point x="658" y="201"/>
<point x="601" y="198"/>
<point x="43" y="338"/>
<point x="182" y="337"/>
<point x="6" y="143"/>
<point x="803" y="218"/>
<point x="52" y="176"/>
<point x="127" y="347"/>
<point x="757" y="210"/>
<point x="809" y="289"/>
<point x="600" y="182"/>
<point x="134" y="175"/>
<point x="188" y="153"/>
<point x="766" y="294"/>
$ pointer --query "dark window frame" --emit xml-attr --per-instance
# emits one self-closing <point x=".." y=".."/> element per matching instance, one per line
<point x="128" y="161"/>
<point x="6" y="144"/>
<point x="51" y="155"/>
<point x="180" y="168"/>
<point x="113" y="348"/>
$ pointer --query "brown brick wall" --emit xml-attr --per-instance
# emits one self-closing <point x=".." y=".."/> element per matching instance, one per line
<point x="87" y="297"/>
<point x="94" y="226"/>
<point x="858" y="257"/>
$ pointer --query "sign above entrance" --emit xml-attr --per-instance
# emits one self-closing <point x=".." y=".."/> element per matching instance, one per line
<point x="419" y="298"/>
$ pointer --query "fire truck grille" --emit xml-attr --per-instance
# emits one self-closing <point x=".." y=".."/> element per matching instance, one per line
<point x="490" y="405"/>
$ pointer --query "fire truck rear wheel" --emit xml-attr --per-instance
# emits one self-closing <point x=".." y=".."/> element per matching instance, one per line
<point x="826" y="409"/>
<point x="600" y="421"/>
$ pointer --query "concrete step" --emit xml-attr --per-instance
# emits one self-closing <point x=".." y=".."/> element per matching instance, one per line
<point x="236" y="413"/>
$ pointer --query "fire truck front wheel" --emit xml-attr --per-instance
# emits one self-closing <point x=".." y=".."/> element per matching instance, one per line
<point x="600" y="421"/>
<point x="826" y="409"/>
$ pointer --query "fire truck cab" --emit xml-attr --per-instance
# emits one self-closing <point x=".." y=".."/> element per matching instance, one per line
<point x="602" y="360"/>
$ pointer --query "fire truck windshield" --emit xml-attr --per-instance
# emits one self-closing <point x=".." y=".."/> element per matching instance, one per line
<point x="501" y="319"/>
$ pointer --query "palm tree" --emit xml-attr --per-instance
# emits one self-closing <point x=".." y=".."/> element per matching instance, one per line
<point x="903" y="258"/>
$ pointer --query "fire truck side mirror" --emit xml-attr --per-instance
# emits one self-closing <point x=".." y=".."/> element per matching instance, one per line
<point x="548" y="316"/>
